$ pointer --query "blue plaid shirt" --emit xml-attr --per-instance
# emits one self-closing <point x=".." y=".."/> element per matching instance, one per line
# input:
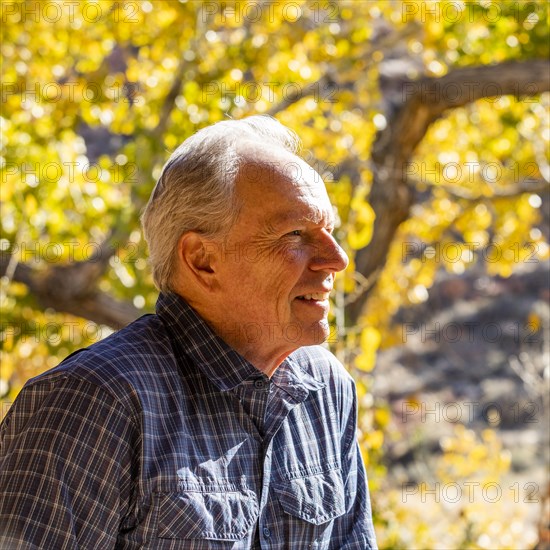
<point x="162" y="436"/>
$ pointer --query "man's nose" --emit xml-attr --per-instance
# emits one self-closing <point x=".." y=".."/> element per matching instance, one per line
<point x="329" y="255"/>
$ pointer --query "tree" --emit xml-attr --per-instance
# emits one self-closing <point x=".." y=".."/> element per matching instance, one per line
<point x="428" y="121"/>
<point x="121" y="100"/>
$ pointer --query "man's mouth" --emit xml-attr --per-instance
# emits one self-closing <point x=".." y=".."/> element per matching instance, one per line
<point x="317" y="296"/>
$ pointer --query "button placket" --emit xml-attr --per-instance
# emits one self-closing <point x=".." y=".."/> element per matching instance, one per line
<point x="260" y="384"/>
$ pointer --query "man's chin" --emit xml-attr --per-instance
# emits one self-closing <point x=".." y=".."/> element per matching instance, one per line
<point x="315" y="334"/>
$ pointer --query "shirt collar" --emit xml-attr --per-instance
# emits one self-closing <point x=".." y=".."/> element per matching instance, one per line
<point x="294" y="380"/>
<point x="224" y="366"/>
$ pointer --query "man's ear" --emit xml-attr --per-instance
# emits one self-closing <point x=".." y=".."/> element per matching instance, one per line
<point x="197" y="259"/>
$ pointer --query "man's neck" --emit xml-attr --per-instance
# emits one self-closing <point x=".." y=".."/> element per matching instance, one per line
<point x="244" y="340"/>
<point x="249" y="344"/>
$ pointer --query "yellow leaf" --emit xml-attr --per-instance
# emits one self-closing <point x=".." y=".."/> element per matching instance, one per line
<point x="370" y="342"/>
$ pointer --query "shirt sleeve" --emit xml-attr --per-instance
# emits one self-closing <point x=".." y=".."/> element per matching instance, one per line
<point x="66" y="465"/>
<point x="354" y="530"/>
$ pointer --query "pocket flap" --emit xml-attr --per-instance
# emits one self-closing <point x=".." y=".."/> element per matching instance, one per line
<point x="314" y="498"/>
<point x="207" y="514"/>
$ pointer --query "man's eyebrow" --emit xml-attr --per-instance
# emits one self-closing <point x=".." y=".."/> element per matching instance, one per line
<point x="289" y="218"/>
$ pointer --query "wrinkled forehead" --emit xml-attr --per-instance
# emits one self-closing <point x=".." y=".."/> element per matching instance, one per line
<point x="275" y="186"/>
<point x="261" y="165"/>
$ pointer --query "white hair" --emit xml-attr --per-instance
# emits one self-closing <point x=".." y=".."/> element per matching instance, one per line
<point x="196" y="189"/>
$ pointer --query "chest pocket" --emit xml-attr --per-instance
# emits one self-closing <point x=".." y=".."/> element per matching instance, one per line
<point x="316" y="497"/>
<point x="207" y="512"/>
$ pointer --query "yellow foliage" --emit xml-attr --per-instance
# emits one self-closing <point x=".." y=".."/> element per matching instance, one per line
<point x="370" y="341"/>
<point x="470" y="503"/>
<point x="469" y="160"/>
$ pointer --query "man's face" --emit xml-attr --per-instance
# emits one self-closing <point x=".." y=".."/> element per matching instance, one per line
<point x="279" y="259"/>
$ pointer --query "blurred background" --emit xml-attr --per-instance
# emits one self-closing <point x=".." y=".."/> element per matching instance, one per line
<point x="429" y="122"/>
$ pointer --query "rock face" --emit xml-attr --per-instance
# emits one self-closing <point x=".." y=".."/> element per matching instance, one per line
<point x="476" y="352"/>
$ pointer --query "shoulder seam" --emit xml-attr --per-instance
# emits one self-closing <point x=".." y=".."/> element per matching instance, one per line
<point x="56" y="377"/>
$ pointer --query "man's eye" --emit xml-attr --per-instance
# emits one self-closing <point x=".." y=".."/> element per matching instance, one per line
<point x="296" y="232"/>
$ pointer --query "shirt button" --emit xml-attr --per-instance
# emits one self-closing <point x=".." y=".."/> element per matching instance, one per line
<point x="259" y="384"/>
<point x="267" y="532"/>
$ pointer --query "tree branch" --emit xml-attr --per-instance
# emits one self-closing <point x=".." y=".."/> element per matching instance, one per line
<point x="526" y="186"/>
<point x="324" y="86"/>
<point x="320" y="89"/>
<point x="425" y="100"/>
<point x="72" y="288"/>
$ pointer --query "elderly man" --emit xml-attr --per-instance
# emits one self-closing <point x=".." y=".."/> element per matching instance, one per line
<point x="218" y="422"/>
